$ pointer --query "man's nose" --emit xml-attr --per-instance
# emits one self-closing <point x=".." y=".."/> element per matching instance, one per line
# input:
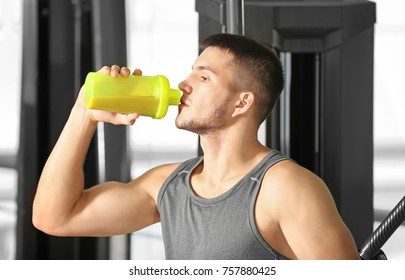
<point x="185" y="87"/>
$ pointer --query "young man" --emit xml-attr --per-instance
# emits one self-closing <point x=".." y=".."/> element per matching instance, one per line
<point x="241" y="200"/>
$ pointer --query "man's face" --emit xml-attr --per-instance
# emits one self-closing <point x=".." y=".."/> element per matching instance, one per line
<point x="207" y="102"/>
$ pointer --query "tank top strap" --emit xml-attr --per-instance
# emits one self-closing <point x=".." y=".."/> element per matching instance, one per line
<point x="273" y="157"/>
<point x="189" y="165"/>
<point x="183" y="169"/>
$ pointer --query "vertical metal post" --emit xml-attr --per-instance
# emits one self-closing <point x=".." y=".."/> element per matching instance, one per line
<point x="27" y="162"/>
<point x="109" y="39"/>
<point x="234" y="17"/>
<point x="285" y="97"/>
<point x="56" y="47"/>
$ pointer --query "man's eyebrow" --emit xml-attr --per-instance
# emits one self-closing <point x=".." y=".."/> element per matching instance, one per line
<point x="202" y="67"/>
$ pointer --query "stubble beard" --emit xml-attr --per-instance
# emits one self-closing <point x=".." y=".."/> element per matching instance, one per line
<point x="208" y="123"/>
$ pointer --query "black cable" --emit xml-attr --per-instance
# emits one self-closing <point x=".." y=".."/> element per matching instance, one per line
<point x="371" y="247"/>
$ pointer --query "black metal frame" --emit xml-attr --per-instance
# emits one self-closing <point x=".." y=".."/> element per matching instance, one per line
<point x="335" y="39"/>
<point x="62" y="41"/>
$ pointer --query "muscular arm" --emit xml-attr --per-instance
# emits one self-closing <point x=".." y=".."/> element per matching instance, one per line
<point x="307" y="216"/>
<point x="62" y="207"/>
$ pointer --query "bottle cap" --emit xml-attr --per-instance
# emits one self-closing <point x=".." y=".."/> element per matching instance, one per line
<point x="168" y="96"/>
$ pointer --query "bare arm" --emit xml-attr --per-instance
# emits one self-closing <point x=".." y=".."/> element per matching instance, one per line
<point x="307" y="215"/>
<point x="62" y="207"/>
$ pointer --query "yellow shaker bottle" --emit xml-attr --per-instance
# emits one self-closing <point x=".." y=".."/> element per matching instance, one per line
<point x="145" y="95"/>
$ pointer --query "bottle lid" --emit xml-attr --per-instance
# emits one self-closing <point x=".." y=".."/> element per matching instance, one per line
<point x="168" y="97"/>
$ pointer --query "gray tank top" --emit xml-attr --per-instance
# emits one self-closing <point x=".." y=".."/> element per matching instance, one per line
<point x="218" y="228"/>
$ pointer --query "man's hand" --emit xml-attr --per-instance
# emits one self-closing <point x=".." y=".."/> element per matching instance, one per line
<point x="105" y="116"/>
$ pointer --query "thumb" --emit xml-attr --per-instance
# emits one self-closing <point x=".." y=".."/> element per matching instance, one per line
<point x="124" y="119"/>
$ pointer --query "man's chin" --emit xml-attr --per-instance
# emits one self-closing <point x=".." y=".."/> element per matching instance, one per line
<point x="179" y="124"/>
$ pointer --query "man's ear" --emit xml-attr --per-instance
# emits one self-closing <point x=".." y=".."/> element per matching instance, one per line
<point x="243" y="103"/>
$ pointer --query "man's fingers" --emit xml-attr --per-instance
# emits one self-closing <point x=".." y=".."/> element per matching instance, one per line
<point x="105" y="70"/>
<point x="137" y="72"/>
<point x="116" y="70"/>
<point x="124" y="71"/>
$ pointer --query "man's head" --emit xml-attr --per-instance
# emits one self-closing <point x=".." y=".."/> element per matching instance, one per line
<point x="233" y="78"/>
<point x="257" y="69"/>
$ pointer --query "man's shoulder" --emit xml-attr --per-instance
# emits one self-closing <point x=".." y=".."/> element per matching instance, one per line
<point x="163" y="171"/>
<point x="287" y="179"/>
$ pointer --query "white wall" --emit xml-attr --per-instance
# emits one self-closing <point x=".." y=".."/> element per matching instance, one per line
<point x="10" y="85"/>
<point x="162" y="40"/>
<point x="389" y="116"/>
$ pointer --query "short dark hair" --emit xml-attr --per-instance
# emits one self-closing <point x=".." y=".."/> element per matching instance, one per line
<point x="258" y="63"/>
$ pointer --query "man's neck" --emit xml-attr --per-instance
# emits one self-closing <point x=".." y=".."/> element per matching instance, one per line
<point x="224" y="160"/>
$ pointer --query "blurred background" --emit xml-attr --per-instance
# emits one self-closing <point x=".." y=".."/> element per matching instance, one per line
<point x="161" y="37"/>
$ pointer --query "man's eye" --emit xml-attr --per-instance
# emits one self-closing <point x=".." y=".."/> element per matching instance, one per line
<point x="203" y="78"/>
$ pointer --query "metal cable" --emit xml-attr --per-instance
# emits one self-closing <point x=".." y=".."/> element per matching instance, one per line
<point x="383" y="232"/>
